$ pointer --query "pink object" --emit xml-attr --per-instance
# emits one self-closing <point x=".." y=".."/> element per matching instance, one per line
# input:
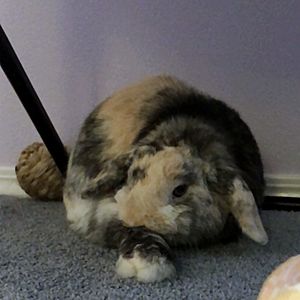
<point x="284" y="282"/>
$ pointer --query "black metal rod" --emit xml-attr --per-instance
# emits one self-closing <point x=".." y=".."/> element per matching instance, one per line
<point x="31" y="102"/>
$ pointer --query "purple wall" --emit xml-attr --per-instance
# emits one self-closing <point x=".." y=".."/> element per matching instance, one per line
<point x="77" y="52"/>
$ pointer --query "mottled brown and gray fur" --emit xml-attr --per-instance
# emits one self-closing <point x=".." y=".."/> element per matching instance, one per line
<point x="136" y="148"/>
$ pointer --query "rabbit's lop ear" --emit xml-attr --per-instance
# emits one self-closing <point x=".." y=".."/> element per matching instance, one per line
<point x="106" y="179"/>
<point x="244" y="209"/>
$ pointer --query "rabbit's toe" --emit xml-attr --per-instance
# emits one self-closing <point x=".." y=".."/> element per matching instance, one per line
<point x="153" y="269"/>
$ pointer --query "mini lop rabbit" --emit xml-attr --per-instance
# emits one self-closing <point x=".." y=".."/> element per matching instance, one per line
<point x="159" y="164"/>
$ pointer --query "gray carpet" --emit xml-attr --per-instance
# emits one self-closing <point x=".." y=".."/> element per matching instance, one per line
<point x="41" y="259"/>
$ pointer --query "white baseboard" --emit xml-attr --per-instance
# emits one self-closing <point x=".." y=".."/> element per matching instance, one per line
<point x="277" y="185"/>
<point x="282" y="185"/>
<point x="9" y="184"/>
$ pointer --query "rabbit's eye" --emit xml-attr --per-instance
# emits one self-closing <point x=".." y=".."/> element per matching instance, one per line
<point x="180" y="190"/>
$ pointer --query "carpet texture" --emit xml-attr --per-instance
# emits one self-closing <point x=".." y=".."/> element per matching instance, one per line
<point x="40" y="258"/>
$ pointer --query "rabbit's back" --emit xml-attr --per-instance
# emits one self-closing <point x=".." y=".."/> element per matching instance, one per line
<point x="130" y="114"/>
<point x="122" y="116"/>
<point x="110" y="130"/>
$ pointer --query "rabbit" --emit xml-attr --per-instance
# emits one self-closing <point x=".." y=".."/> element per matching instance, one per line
<point x="159" y="165"/>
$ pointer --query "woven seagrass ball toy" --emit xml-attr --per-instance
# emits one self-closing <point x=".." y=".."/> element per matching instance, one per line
<point x="37" y="173"/>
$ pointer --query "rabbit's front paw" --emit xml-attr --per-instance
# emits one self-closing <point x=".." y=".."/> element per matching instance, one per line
<point x="145" y="269"/>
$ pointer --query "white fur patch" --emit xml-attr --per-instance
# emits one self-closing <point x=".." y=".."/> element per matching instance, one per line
<point x="106" y="210"/>
<point x="121" y="193"/>
<point x="80" y="211"/>
<point x="158" y="269"/>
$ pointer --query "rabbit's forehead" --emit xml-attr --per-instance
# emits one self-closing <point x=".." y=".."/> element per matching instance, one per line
<point x="168" y="163"/>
